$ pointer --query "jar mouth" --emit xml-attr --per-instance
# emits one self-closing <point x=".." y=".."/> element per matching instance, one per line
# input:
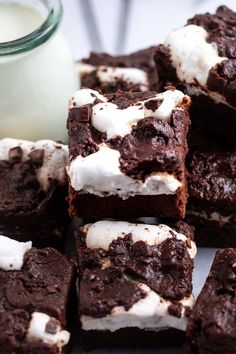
<point x="39" y="35"/>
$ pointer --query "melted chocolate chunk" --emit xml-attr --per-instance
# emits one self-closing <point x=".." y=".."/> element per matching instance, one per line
<point x="15" y="154"/>
<point x="51" y="326"/>
<point x="37" y="157"/>
<point x="175" y="310"/>
<point x="127" y="99"/>
<point x="153" y="104"/>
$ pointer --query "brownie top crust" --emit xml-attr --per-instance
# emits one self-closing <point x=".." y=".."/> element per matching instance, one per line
<point x="202" y="56"/>
<point x="213" y="322"/>
<point x="129" y="137"/>
<point x="34" y="291"/>
<point x="127" y="267"/>
<point x="108" y="73"/>
<point x="213" y="179"/>
<point x="29" y="172"/>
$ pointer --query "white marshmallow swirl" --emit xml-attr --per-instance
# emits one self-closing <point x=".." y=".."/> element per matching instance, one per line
<point x="192" y="56"/>
<point x="100" y="174"/>
<point x="12" y="253"/>
<point x="38" y="330"/>
<point x="102" y="233"/>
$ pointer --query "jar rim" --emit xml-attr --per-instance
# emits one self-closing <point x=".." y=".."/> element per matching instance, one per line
<point x="39" y="35"/>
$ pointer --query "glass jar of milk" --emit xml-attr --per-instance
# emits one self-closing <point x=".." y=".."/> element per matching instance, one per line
<point x="37" y="73"/>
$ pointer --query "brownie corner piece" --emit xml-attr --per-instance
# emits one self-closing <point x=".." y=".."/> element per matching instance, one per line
<point x="211" y="326"/>
<point x="107" y="73"/>
<point x="127" y="153"/>
<point x="35" y="286"/>
<point x="135" y="282"/>
<point x="33" y="189"/>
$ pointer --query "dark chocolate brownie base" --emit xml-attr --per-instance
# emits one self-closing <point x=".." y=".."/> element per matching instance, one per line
<point x="211" y="327"/>
<point x="218" y="237"/>
<point x="216" y="118"/>
<point x="45" y="225"/>
<point x="88" y="205"/>
<point x="132" y="337"/>
<point x="211" y="205"/>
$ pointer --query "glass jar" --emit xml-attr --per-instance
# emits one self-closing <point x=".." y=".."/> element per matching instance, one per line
<point x="37" y="76"/>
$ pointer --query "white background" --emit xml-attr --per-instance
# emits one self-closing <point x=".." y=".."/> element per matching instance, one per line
<point x="149" y="21"/>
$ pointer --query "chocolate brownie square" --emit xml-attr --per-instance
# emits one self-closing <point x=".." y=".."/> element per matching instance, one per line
<point x="200" y="58"/>
<point x="127" y="154"/>
<point x="35" y="289"/>
<point x="211" y="327"/>
<point x="33" y="188"/>
<point x="135" y="286"/>
<point x="107" y="73"/>
<point x="211" y="204"/>
<point x="212" y="198"/>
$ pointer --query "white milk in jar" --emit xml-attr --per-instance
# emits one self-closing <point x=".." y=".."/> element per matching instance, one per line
<point x="37" y="73"/>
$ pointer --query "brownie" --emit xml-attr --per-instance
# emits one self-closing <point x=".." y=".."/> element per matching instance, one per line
<point x="200" y="58"/>
<point x="127" y="154"/>
<point x="211" y="205"/>
<point x="211" y="326"/>
<point x="133" y="279"/>
<point x="35" y="290"/>
<point x="33" y="188"/>
<point x="107" y="73"/>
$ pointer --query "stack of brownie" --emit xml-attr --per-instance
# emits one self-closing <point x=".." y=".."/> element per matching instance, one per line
<point x="36" y="285"/>
<point x="128" y="146"/>
<point x="200" y="59"/>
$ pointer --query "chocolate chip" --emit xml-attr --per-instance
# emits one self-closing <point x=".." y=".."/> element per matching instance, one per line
<point x="175" y="310"/>
<point x="141" y="249"/>
<point x="97" y="101"/>
<point x="153" y="104"/>
<point x="37" y="157"/>
<point x="153" y="128"/>
<point x="188" y="243"/>
<point x="51" y="326"/>
<point x="51" y="289"/>
<point x="15" y="154"/>
<point x="84" y="113"/>
<point x="170" y="87"/>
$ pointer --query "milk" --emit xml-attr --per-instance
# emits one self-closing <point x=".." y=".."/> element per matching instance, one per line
<point x="36" y="85"/>
<point x="17" y="21"/>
